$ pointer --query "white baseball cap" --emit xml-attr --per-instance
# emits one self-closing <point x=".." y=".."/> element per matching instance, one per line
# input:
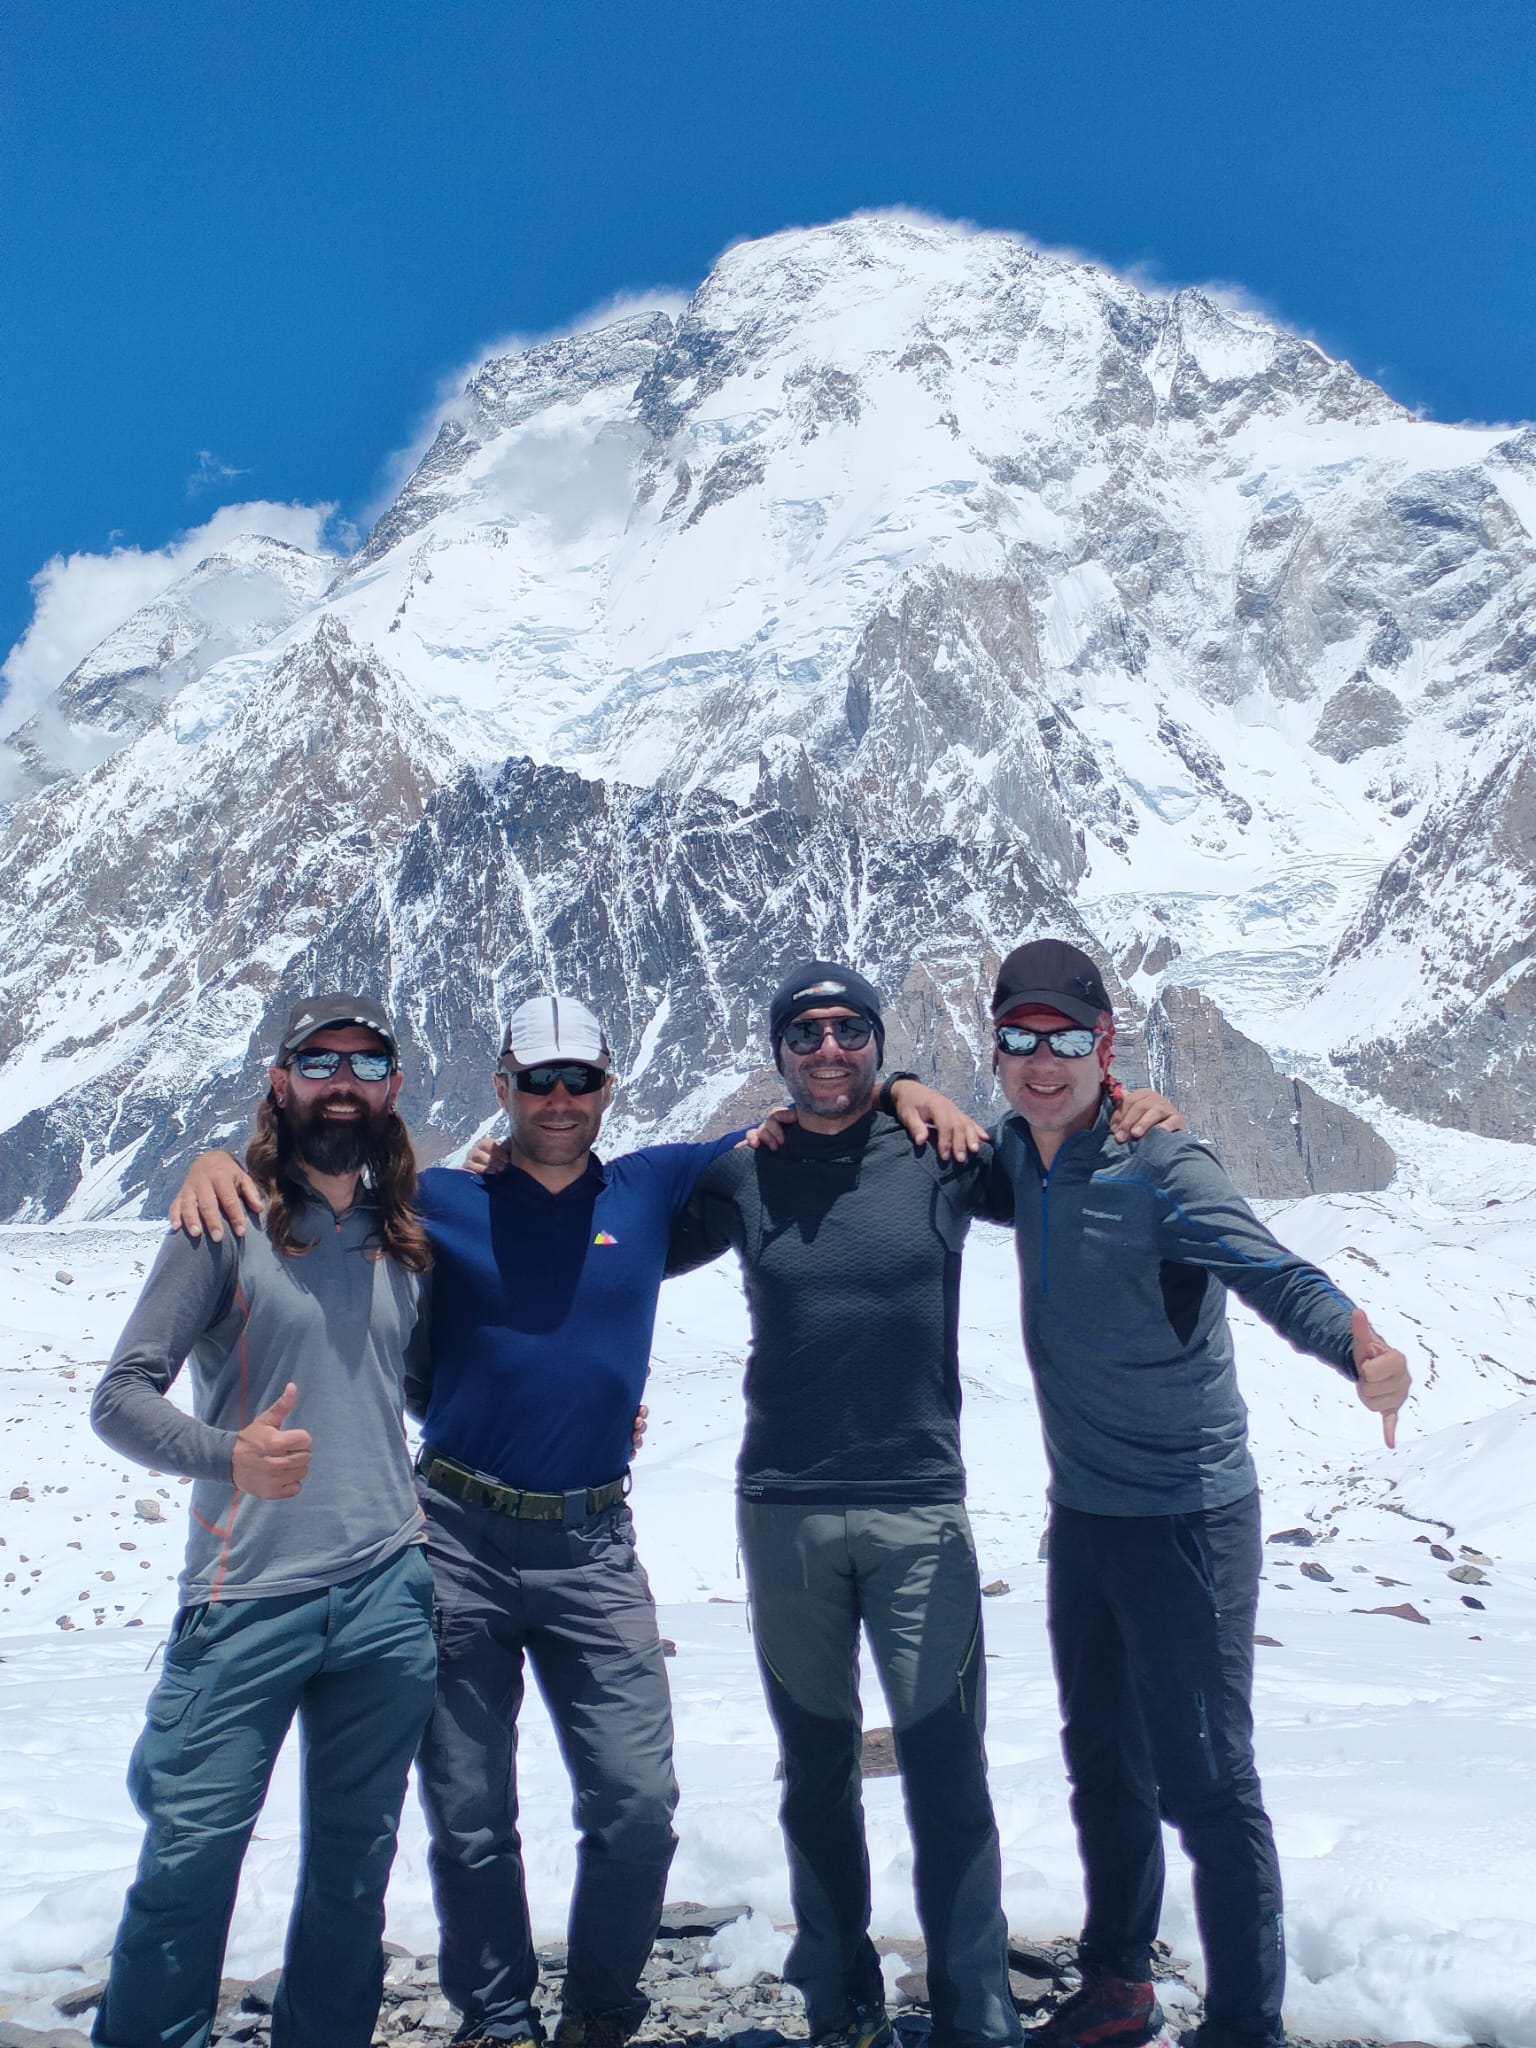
<point x="550" y="1028"/>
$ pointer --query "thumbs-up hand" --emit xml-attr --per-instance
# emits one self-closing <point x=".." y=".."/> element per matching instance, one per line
<point x="270" y="1460"/>
<point x="1382" y="1380"/>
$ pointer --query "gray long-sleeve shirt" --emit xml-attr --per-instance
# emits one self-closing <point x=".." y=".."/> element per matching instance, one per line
<point x="339" y="1322"/>
<point x="1125" y="1255"/>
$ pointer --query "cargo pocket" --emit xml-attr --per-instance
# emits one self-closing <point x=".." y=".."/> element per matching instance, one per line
<point x="156" y="1768"/>
<point x="170" y="1700"/>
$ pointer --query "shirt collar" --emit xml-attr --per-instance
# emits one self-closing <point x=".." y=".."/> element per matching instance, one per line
<point x="520" y="1186"/>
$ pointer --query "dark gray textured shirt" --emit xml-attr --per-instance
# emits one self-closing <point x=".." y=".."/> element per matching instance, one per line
<point x="339" y="1322"/>
<point x="850" y="1249"/>
<point x="1125" y="1255"/>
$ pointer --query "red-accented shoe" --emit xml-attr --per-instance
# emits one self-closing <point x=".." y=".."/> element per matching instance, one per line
<point x="1106" y="2012"/>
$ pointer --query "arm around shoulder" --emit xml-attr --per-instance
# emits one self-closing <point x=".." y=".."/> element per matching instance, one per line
<point x="702" y="1227"/>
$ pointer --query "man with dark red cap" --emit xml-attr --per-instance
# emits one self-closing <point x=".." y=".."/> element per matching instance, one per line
<point x="1126" y="1250"/>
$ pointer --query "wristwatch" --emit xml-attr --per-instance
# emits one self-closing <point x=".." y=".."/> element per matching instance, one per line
<point x="883" y="1100"/>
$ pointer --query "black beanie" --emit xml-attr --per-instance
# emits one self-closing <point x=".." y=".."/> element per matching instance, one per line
<point x="822" y="985"/>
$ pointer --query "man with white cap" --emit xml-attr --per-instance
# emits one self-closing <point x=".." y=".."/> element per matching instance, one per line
<point x="545" y="1279"/>
<point x="545" y="1301"/>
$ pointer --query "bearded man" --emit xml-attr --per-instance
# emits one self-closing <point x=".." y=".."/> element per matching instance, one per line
<point x="306" y="1590"/>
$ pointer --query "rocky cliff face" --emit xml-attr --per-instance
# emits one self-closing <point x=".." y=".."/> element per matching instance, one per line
<point x="668" y="911"/>
<point x="911" y="591"/>
<point x="1275" y="1135"/>
<point x="148" y="919"/>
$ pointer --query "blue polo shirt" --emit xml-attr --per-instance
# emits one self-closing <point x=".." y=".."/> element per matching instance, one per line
<point x="543" y="1307"/>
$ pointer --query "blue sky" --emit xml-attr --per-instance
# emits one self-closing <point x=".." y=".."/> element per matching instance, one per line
<point x="246" y="240"/>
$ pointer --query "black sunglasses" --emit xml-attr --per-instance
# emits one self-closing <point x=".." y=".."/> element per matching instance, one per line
<point x="805" y="1034"/>
<point x="1071" y="1042"/>
<point x="366" y="1066"/>
<point x="576" y="1080"/>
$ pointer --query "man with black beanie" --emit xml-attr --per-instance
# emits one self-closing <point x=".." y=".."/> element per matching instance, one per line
<point x="851" y="1504"/>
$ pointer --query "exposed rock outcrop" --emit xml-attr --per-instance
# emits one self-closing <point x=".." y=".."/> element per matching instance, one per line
<point x="1362" y="716"/>
<point x="1276" y="1136"/>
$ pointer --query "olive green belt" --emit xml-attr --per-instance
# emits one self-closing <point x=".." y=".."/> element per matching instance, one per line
<point x="476" y="1491"/>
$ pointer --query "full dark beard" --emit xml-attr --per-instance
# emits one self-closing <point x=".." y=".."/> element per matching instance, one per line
<point x="334" y="1145"/>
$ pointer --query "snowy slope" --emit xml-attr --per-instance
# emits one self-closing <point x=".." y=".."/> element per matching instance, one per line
<point x="1397" y="1757"/>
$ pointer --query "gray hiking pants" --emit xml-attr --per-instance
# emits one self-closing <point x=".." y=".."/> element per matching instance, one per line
<point x="908" y="1576"/>
<point x="572" y="1598"/>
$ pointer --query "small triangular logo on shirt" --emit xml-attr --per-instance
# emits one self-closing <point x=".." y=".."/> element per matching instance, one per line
<point x="605" y="1237"/>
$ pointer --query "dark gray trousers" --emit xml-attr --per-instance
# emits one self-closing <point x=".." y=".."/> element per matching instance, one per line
<point x="1151" y="1624"/>
<point x="908" y="1576"/>
<point x="573" y="1600"/>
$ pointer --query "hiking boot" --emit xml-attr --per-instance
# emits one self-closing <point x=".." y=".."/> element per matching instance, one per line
<point x="592" y="2030"/>
<point x="1105" y="2012"/>
<point x="526" y="2039"/>
<point x="865" y="2027"/>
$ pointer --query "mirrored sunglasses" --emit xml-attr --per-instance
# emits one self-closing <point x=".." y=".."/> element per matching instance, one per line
<point x="366" y="1066"/>
<point x="576" y="1080"/>
<point x="805" y="1034"/>
<point x="1071" y="1042"/>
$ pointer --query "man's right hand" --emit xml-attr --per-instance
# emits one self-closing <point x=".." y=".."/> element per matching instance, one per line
<point x="488" y="1155"/>
<point x="270" y="1460"/>
<point x="216" y="1190"/>
<point x="1381" y="1375"/>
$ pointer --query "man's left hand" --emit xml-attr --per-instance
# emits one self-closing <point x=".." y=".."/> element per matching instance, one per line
<point x="638" y="1427"/>
<point x="1140" y="1110"/>
<point x="1382" y="1378"/>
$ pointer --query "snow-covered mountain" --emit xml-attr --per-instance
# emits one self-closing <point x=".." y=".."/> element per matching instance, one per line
<point x="912" y="591"/>
<point x="228" y="604"/>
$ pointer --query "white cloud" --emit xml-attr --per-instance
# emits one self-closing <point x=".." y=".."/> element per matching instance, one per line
<point x="210" y="473"/>
<point x="78" y="599"/>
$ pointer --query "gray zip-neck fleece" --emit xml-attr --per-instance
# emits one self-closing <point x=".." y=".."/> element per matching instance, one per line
<point x="1125" y="1255"/>
<point x="339" y="1322"/>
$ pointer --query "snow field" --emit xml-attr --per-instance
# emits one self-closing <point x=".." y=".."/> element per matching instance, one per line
<point x="1398" y="1758"/>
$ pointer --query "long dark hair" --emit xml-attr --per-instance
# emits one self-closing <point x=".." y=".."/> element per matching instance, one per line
<point x="270" y="1161"/>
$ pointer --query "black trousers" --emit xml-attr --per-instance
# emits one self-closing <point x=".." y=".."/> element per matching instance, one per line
<point x="1151" y="1625"/>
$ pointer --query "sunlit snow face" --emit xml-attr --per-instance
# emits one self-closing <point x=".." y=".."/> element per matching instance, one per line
<point x="1052" y="1094"/>
<point x="832" y="1080"/>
